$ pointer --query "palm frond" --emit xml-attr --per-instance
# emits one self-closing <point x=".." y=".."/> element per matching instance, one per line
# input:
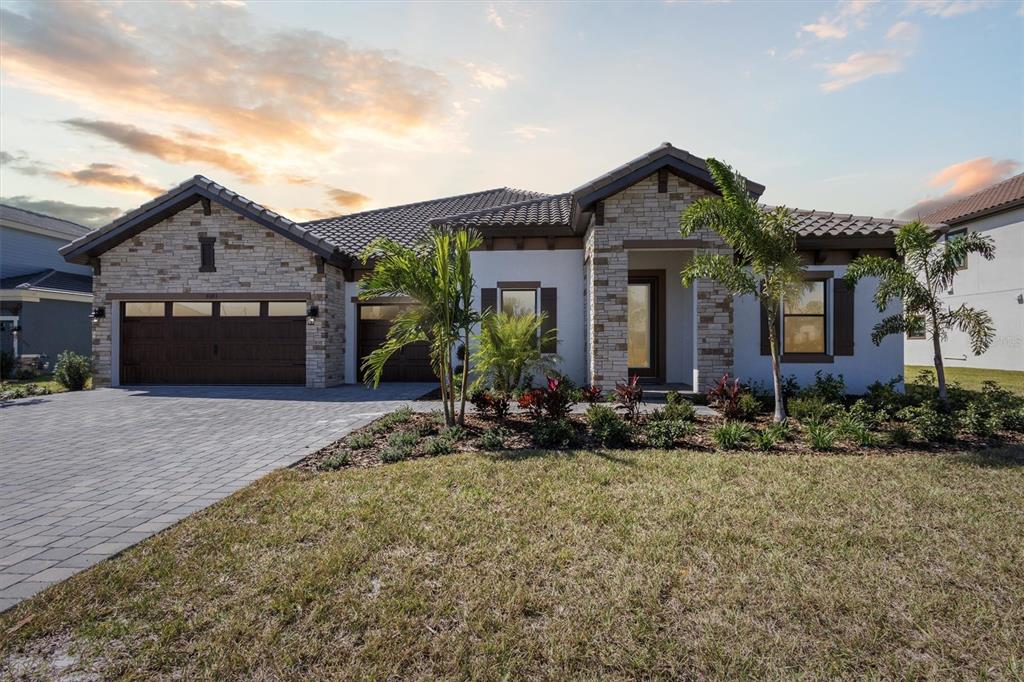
<point x="977" y="324"/>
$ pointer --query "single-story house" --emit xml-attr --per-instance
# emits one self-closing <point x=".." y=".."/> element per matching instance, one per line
<point x="44" y="301"/>
<point x="201" y="285"/>
<point x="996" y="286"/>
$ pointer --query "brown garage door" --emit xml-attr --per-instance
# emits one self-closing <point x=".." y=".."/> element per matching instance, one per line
<point x="411" y="363"/>
<point x="200" y="342"/>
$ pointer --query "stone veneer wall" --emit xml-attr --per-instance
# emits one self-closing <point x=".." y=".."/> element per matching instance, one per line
<point x="641" y="212"/>
<point x="164" y="260"/>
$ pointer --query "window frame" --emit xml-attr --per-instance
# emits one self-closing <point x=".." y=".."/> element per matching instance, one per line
<point x="824" y="315"/>
<point x="534" y="290"/>
<point x="953" y="234"/>
<point x="207" y="257"/>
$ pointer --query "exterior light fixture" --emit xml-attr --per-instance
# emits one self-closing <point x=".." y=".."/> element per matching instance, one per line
<point x="98" y="313"/>
<point x="312" y="314"/>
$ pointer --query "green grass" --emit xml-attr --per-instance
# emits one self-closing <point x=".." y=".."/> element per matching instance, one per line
<point x="595" y="565"/>
<point x="971" y="378"/>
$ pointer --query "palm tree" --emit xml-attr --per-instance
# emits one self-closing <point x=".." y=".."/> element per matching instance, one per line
<point x="765" y="265"/>
<point x="436" y="275"/>
<point x="924" y="270"/>
<point x="509" y="350"/>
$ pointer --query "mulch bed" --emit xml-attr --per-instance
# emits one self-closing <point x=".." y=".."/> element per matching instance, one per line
<point x="518" y="426"/>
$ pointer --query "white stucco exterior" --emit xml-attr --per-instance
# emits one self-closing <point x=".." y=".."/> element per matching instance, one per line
<point x="996" y="286"/>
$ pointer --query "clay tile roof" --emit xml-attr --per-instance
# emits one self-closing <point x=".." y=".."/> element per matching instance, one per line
<point x="554" y="209"/>
<point x="810" y="223"/>
<point x="1000" y="196"/>
<point x="407" y="223"/>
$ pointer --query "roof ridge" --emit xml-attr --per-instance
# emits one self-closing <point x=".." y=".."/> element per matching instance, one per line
<point x="425" y="202"/>
<point x="44" y="215"/>
<point x="499" y="207"/>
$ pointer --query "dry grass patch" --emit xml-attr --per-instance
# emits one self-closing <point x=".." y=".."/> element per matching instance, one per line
<point x="619" y="564"/>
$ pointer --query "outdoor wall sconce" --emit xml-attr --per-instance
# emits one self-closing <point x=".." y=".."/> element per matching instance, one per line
<point x="98" y="313"/>
<point x="312" y="314"/>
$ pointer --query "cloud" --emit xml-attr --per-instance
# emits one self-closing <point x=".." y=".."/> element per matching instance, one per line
<point x="964" y="178"/>
<point x="903" y="30"/>
<point x="527" y="132"/>
<point x="494" y="18"/>
<point x="488" y="77"/>
<point x="90" y="216"/>
<point x="279" y="94"/>
<point x="109" y="176"/>
<point x="347" y="199"/>
<point x="947" y="8"/>
<point x="860" y="66"/>
<point x="849" y="14"/>
<point x="189" y="148"/>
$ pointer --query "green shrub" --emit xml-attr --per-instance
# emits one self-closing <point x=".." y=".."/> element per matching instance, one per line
<point x="863" y="412"/>
<point x="454" y="433"/>
<point x="607" y="427"/>
<point x="851" y="429"/>
<point x="821" y="436"/>
<point x="766" y="439"/>
<point x="931" y="424"/>
<point x="493" y="439"/>
<point x="830" y="389"/>
<point x="1012" y="419"/>
<point x="72" y="371"/>
<point x="361" y="440"/>
<point x="391" y="420"/>
<point x="900" y="435"/>
<point x="977" y="419"/>
<point x="336" y="461"/>
<point x="781" y="430"/>
<point x="884" y="399"/>
<point x="748" y="406"/>
<point x="404" y="439"/>
<point x="663" y="433"/>
<point x="811" y="409"/>
<point x="553" y="433"/>
<point x="678" y="408"/>
<point x="15" y="391"/>
<point x="395" y="454"/>
<point x="439" y="446"/>
<point x="731" y="435"/>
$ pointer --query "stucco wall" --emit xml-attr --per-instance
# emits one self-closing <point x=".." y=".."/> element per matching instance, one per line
<point x="249" y="258"/>
<point x="996" y="286"/>
<point x="869" y="363"/>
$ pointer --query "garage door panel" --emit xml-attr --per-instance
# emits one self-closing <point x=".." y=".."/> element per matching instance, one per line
<point x="411" y="363"/>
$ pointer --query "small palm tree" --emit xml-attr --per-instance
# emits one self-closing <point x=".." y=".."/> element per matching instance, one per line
<point x="509" y="350"/>
<point x="766" y="265"/>
<point x="436" y="275"/>
<point x="924" y="270"/>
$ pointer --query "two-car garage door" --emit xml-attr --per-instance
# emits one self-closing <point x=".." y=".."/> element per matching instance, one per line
<point x="213" y="342"/>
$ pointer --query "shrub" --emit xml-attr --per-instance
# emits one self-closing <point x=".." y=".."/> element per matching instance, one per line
<point x="15" y="391"/>
<point x="885" y="399"/>
<point x="731" y="435"/>
<point x="781" y="430"/>
<point x="500" y="404"/>
<point x="481" y="402"/>
<point x="391" y="420"/>
<point x="855" y="431"/>
<point x="336" y="461"/>
<point x="553" y="433"/>
<point x="931" y="424"/>
<point x="360" y="441"/>
<point x="725" y="396"/>
<point x="679" y="408"/>
<point x="509" y="350"/>
<point x="404" y="439"/>
<point x="26" y="373"/>
<point x="532" y="400"/>
<point x="439" y="446"/>
<point x="900" y="435"/>
<point x="628" y="397"/>
<point x="395" y="454"/>
<point x="821" y="436"/>
<point x="863" y="412"/>
<point x="811" y="409"/>
<point x="607" y="427"/>
<point x="663" y="433"/>
<point x="454" y="433"/>
<point x="493" y="439"/>
<point x="766" y="439"/>
<point x="559" y="397"/>
<point x="6" y="364"/>
<point x="591" y="394"/>
<point x="1012" y="419"/>
<point x="977" y="419"/>
<point x="748" y="406"/>
<point x="829" y="388"/>
<point x="72" y="370"/>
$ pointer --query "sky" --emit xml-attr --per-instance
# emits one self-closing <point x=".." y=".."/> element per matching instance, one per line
<point x="320" y="109"/>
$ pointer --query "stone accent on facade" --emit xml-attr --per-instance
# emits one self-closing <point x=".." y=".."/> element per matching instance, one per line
<point x="641" y="212"/>
<point x="165" y="259"/>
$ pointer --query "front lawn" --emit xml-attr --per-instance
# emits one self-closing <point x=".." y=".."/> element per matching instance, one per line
<point x="971" y="378"/>
<point x="619" y="564"/>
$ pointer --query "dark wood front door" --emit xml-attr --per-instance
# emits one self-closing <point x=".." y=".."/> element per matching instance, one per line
<point x="211" y="349"/>
<point x="411" y="363"/>
<point x="645" y="337"/>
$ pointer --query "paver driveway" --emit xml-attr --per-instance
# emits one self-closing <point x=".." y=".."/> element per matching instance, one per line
<point x="85" y="475"/>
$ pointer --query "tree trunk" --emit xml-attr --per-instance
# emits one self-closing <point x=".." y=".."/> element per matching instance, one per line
<point x="465" y="378"/>
<point x="940" y="370"/>
<point x="443" y="377"/>
<point x="780" y="407"/>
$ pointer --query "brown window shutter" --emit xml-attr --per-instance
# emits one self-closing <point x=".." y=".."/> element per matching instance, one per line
<point x="842" y="317"/>
<point x="488" y="299"/>
<point x="549" y="307"/>
<point x="766" y="342"/>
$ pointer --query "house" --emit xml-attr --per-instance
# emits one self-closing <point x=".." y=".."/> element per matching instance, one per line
<point x="201" y="285"/>
<point x="44" y="301"/>
<point x="996" y="286"/>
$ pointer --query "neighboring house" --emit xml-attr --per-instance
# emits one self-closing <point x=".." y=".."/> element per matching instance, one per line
<point x="201" y="285"/>
<point x="996" y="286"/>
<point x="45" y="301"/>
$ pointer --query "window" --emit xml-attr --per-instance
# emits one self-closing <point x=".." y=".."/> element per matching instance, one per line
<point x="206" y="254"/>
<point x="803" y="321"/>
<point x="382" y="312"/>
<point x="144" y="309"/>
<point x="915" y="329"/>
<point x="950" y="236"/>
<point x="638" y="321"/>
<point x="240" y="309"/>
<point x="286" y="309"/>
<point x="518" y="302"/>
<point x="191" y="309"/>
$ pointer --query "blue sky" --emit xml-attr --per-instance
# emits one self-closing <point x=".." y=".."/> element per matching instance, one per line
<point x="326" y="108"/>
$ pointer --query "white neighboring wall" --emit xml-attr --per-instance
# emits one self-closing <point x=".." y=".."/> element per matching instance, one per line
<point x="996" y="286"/>
<point x="868" y="364"/>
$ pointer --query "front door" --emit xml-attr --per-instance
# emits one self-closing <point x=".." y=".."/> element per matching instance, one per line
<point x="645" y="340"/>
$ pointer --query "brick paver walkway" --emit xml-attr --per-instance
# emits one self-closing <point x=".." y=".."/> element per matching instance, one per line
<point x="85" y="475"/>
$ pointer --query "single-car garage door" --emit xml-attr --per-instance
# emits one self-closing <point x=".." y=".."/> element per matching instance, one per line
<point x="411" y="363"/>
<point x="213" y="342"/>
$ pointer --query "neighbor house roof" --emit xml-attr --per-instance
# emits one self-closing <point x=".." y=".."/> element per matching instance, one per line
<point x="187" y="193"/>
<point x="548" y="210"/>
<point x="38" y="222"/>
<point x="50" y="280"/>
<point x="999" y="197"/>
<point x="809" y="223"/>
<point x="406" y="223"/>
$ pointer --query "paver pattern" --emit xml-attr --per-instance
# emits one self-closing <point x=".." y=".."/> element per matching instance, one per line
<point x="86" y="475"/>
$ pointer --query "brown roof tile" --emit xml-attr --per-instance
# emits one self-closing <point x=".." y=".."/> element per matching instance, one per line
<point x="999" y="196"/>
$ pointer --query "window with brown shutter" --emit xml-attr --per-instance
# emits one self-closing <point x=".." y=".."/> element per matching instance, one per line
<point x="842" y="318"/>
<point x="549" y="308"/>
<point x="489" y="300"/>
